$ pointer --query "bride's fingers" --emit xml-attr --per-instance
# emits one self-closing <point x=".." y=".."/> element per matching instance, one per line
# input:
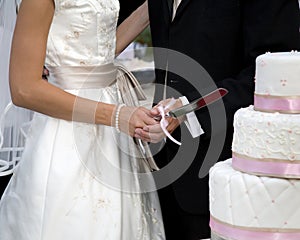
<point x="149" y="121"/>
<point x="148" y="117"/>
<point x="156" y="137"/>
<point x="152" y="134"/>
<point x="153" y="128"/>
<point x="131" y="118"/>
<point x="142" y="138"/>
<point x="153" y="138"/>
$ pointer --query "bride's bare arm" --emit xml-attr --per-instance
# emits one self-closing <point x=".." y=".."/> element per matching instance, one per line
<point x="131" y="27"/>
<point x="29" y="90"/>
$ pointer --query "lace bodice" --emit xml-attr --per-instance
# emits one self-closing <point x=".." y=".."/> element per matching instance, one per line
<point x="83" y="33"/>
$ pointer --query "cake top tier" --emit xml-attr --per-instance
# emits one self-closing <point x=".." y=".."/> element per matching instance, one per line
<point x="277" y="81"/>
<point x="279" y="56"/>
<point x="278" y="74"/>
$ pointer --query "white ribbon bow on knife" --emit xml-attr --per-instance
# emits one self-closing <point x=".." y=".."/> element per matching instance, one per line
<point x="163" y="122"/>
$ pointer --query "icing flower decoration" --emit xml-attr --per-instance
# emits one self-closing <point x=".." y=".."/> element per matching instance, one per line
<point x="262" y="63"/>
<point x="283" y="82"/>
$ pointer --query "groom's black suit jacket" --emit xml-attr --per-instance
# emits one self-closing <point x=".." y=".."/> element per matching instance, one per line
<point x="225" y="37"/>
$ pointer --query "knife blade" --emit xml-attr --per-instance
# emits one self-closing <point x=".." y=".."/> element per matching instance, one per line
<point x="199" y="103"/>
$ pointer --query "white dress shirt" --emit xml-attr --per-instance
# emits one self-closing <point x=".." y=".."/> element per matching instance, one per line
<point x="175" y="6"/>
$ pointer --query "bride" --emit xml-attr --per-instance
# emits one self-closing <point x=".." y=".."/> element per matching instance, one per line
<point x="79" y="177"/>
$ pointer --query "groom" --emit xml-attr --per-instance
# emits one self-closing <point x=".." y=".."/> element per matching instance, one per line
<point x="225" y="37"/>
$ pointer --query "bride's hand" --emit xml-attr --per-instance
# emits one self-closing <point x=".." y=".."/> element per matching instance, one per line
<point x="154" y="133"/>
<point x="130" y="118"/>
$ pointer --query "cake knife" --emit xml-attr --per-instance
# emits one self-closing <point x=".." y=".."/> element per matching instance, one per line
<point x="198" y="103"/>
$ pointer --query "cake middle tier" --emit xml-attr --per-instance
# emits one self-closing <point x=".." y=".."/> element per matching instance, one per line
<point x="266" y="144"/>
<point x="248" y="207"/>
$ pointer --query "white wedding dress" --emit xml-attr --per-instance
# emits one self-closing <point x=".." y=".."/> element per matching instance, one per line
<point x="79" y="181"/>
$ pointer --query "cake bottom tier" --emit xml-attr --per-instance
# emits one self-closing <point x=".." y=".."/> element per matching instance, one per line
<point x="247" y="207"/>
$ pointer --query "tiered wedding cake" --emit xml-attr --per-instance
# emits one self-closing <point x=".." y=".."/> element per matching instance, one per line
<point x="256" y="194"/>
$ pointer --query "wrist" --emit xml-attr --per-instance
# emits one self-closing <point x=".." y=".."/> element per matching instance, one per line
<point x="104" y="114"/>
<point x="117" y="116"/>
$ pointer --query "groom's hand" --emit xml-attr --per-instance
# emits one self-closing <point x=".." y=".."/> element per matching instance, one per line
<point x="154" y="133"/>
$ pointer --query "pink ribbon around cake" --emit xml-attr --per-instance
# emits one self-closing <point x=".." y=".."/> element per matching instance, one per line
<point x="266" y="167"/>
<point x="283" y="104"/>
<point x="244" y="233"/>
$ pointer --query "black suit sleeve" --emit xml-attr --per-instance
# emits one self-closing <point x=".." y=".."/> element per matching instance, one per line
<point x="267" y="26"/>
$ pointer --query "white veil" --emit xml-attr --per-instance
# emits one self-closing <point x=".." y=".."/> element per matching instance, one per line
<point x="13" y="120"/>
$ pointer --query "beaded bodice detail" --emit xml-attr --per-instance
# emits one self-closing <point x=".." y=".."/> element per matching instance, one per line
<point x="83" y="33"/>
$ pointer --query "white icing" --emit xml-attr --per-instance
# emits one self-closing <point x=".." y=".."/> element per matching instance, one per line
<point x="278" y="74"/>
<point x="246" y="200"/>
<point x="266" y="135"/>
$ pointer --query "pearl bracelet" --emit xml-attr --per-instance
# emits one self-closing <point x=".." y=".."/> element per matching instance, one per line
<point x="117" y="116"/>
